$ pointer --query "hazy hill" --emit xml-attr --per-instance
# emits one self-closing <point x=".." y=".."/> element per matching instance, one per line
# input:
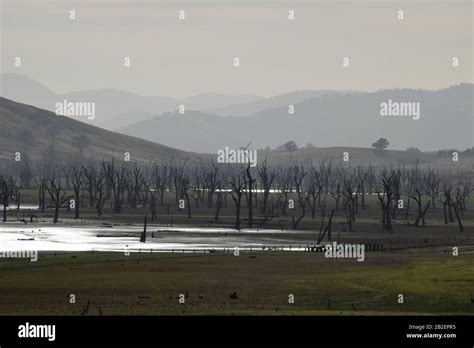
<point x="353" y="120"/>
<point x="114" y="108"/>
<point x="211" y="101"/>
<point x="32" y="130"/>
<point x="193" y="131"/>
<point x="23" y="89"/>
<point x="252" y="107"/>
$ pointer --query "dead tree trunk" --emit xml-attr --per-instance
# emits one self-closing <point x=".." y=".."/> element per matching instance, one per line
<point x="57" y="195"/>
<point x="237" y="184"/>
<point x="421" y="211"/>
<point x="249" y="183"/>
<point x="143" y="235"/>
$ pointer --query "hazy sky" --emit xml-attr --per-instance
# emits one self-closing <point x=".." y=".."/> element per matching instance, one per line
<point x="178" y="58"/>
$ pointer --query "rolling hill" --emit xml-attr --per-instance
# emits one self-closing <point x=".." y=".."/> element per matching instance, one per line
<point x="31" y="130"/>
<point x="354" y="120"/>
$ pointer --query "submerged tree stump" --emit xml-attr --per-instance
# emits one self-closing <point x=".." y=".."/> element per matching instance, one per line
<point x="143" y="235"/>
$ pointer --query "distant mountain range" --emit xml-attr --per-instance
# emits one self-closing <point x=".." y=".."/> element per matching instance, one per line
<point x="322" y="118"/>
<point x="114" y="108"/>
<point x="352" y="119"/>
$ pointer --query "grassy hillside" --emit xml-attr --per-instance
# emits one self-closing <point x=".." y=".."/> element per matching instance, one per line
<point x="32" y="130"/>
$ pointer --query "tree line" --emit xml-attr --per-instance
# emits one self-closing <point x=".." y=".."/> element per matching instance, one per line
<point x="256" y="194"/>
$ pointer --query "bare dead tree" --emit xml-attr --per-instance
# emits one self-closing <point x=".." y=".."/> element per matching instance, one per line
<point x="148" y="185"/>
<point x="299" y="173"/>
<point x="396" y="189"/>
<point x="412" y="180"/>
<point x="185" y="187"/>
<point x="57" y="194"/>
<point x="7" y="190"/>
<point x="433" y="181"/>
<point x="463" y="192"/>
<point x="198" y="185"/>
<point x="211" y="182"/>
<point x="385" y="198"/>
<point x="336" y="194"/>
<point x="337" y="189"/>
<point x="267" y="176"/>
<point x="134" y="186"/>
<point x="249" y="182"/>
<point x="177" y="175"/>
<point x="90" y="177"/>
<point x="26" y="174"/>
<point x="348" y="202"/>
<point x="118" y="181"/>
<point x="76" y="184"/>
<point x="457" y="204"/>
<point x="325" y="228"/>
<point x="446" y="200"/>
<point x="284" y="180"/>
<point x="219" y="204"/>
<point x="101" y="190"/>
<point x="362" y="174"/>
<point x="237" y="184"/>
<point x="421" y="210"/>
<point x="162" y="176"/>
<point x="326" y="171"/>
<point x="143" y="234"/>
<point x="315" y="187"/>
<point x="42" y="192"/>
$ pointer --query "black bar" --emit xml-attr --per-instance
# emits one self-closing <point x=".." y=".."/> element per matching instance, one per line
<point x="219" y="330"/>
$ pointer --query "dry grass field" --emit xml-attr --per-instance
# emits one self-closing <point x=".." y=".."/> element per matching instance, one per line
<point x="431" y="281"/>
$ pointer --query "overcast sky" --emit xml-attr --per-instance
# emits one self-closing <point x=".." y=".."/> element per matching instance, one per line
<point x="179" y="58"/>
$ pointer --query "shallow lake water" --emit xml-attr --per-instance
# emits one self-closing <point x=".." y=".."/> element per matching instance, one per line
<point x="86" y="237"/>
